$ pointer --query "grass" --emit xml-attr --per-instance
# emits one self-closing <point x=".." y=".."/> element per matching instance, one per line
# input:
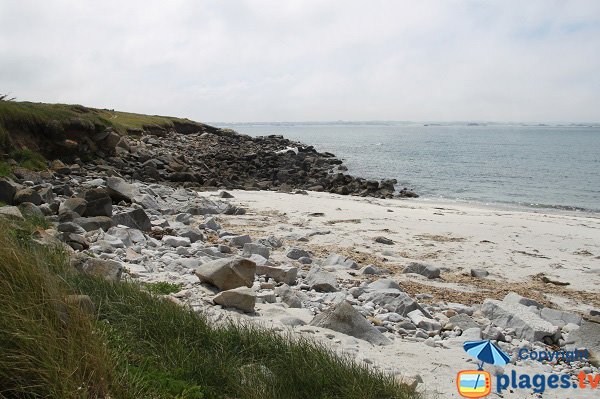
<point x="140" y="345"/>
<point x="162" y="288"/>
<point x="55" y="118"/>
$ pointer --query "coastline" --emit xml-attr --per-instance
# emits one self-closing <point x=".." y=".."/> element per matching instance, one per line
<point x="515" y="247"/>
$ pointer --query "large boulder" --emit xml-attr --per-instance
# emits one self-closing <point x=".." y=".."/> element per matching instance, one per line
<point x="256" y="249"/>
<point x="343" y="318"/>
<point x="77" y="205"/>
<point x="119" y="189"/>
<point x="227" y="273"/>
<point x="282" y="274"/>
<point x="94" y="223"/>
<point x="424" y="269"/>
<point x="27" y="195"/>
<point x="99" y="202"/>
<point x="242" y="298"/>
<point x="8" y="189"/>
<point x="527" y="324"/>
<point x="136" y="219"/>
<point x="11" y="212"/>
<point x="107" y="269"/>
<point x="321" y="280"/>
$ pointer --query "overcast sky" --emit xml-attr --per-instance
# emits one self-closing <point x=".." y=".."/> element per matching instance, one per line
<point x="300" y="60"/>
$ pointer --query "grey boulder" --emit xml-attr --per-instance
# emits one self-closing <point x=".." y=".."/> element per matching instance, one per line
<point x="242" y="298"/>
<point x="527" y="324"/>
<point x="99" y="202"/>
<point x="27" y="195"/>
<point x="227" y="273"/>
<point x="136" y="219"/>
<point x="423" y="269"/>
<point x="77" y="205"/>
<point x="119" y="190"/>
<point x="343" y="318"/>
<point x="321" y="280"/>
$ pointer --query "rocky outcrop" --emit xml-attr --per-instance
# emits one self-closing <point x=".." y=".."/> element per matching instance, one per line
<point x="343" y="318"/>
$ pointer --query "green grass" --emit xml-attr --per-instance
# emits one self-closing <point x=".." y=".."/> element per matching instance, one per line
<point x="58" y="117"/>
<point x="162" y="288"/>
<point x="142" y="346"/>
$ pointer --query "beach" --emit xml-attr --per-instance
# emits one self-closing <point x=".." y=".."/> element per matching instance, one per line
<point x="517" y="248"/>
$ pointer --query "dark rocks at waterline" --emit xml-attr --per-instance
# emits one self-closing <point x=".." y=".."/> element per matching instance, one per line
<point x="224" y="159"/>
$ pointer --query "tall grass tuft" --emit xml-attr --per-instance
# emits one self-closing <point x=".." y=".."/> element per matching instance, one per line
<point x="48" y="348"/>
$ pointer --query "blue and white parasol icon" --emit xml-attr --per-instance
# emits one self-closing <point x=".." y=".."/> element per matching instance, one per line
<point x="486" y="352"/>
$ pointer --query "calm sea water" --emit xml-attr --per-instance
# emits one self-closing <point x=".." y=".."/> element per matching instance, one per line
<point x="526" y="166"/>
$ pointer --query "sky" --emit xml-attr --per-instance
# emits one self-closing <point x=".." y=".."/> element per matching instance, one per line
<point x="309" y="60"/>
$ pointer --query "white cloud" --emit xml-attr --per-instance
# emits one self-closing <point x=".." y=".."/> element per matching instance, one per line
<point x="236" y="60"/>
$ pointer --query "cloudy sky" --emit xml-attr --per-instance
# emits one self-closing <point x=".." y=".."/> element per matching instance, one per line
<point x="297" y="60"/>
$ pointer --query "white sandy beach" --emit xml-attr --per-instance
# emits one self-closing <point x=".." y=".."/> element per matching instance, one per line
<point x="517" y="248"/>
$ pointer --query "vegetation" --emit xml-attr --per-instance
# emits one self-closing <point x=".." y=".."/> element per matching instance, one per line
<point x="140" y="345"/>
<point x="162" y="288"/>
<point x="57" y="117"/>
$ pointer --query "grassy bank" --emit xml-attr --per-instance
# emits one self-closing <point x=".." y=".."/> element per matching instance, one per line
<point x="137" y="344"/>
<point x="33" y="116"/>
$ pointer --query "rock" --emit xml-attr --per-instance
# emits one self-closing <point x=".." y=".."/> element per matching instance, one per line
<point x="343" y="318"/>
<point x="305" y="260"/>
<point x="285" y="274"/>
<point x="421" y="321"/>
<point x="297" y="253"/>
<point x="11" y="212"/>
<point x="239" y="241"/>
<point x="384" y="240"/>
<point x="320" y="280"/>
<point x="227" y="273"/>
<point x="258" y="249"/>
<point x="46" y="194"/>
<point x="370" y="270"/>
<point x="271" y="241"/>
<point x="289" y="296"/>
<point x="339" y="260"/>
<point x="94" y="223"/>
<point x="77" y="205"/>
<point x="70" y="227"/>
<point x="560" y="318"/>
<point x="107" y="269"/>
<point x="225" y="194"/>
<point x="242" y="298"/>
<point x="212" y="224"/>
<point x="83" y="302"/>
<point x="136" y="219"/>
<point x="479" y="273"/>
<point x="384" y="284"/>
<point x="527" y="325"/>
<point x="119" y="190"/>
<point x="29" y="209"/>
<point x="463" y="321"/>
<point x="393" y="300"/>
<point x="8" y="189"/>
<point x="193" y="233"/>
<point x="492" y="333"/>
<point x="99" y="202"/>
<point x="423" y="269"/>
<point x="175" y="242"/>
<point x="27" y="195"/>
<point x="146" y="201"/>
<point x="292" y="321"/>
<point x="588" y="337"/>
<point x="514" y="298"/>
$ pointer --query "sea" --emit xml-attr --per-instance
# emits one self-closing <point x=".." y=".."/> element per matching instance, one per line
<point x="533" y="166"/>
